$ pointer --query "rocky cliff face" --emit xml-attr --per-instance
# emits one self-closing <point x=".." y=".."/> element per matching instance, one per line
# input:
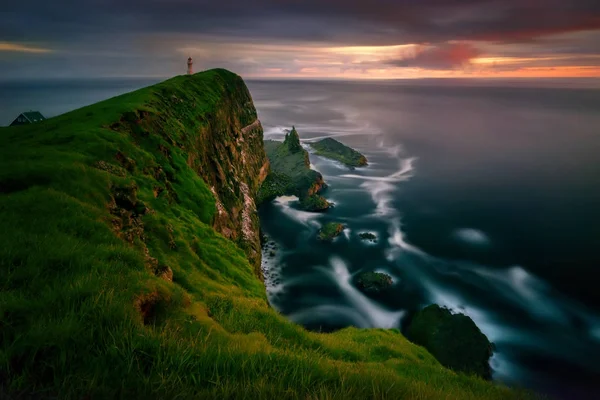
<point x="214" y="126"/>
<point x="229" y="155"/>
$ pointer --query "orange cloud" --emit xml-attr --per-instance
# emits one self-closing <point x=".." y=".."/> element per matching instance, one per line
<point x="22" y="48"/>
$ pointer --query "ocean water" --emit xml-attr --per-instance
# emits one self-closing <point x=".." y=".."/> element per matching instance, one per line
<point x="58" y="96"/>
<point x="484" y="197"/>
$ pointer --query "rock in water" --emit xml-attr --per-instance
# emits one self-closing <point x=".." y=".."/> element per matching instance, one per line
<point x="330" y="231"/>
<point x="368" y="236"/>
<point x="453" y="339"/>
<point x="335" y="150"/>
<point x="291" y="174"/>
<point x="374" y="282"/>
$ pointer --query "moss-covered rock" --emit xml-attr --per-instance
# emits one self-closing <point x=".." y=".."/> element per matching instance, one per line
<point x="453" y="339"/>
<point x="291" y="174"/>
<point x="292" y="141"/>
<point x="374" y="282"/>
<point x="335" y="150"/>
<point x="314" y="203"/>
<point x="330" y="231"/>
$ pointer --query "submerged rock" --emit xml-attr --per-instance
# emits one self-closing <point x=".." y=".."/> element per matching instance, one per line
<point x="374" y="282"/>
<point x="453" y="339"/>
<point x="330" y="231"/>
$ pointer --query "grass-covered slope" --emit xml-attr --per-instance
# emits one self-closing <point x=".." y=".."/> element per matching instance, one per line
<point x="335" y="150"/>
<point x="114" y="283"/>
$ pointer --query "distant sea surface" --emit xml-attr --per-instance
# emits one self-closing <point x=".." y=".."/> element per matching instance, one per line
<point x="484" y="196"/>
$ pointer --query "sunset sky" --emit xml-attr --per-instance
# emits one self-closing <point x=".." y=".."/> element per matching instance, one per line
<point x="350" y="39"/>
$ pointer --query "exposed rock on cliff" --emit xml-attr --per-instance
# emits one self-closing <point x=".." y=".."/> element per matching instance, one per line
<point x="223" y="145"/>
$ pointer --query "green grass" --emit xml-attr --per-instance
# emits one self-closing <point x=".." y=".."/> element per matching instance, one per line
<point x="93" y="205"/>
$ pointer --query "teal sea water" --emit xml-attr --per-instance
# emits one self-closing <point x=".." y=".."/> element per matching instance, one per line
<point x="484" y="199"/>
<point x="484" y="196"/>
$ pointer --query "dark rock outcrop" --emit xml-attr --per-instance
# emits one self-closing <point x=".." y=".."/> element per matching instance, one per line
<point x="368" y="236"/>
<point x="453" y="339"/>
<point x="374" y="282"/>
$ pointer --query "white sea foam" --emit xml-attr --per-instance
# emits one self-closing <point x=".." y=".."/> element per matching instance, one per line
<point x="347" y="232"/>
<point x="404" y="173"/>
<point x="381" y="188"/>
<point x="271" y="269"/>
<point x="520" y="287"/>
<point x="304" y="217"/>
<point x="381" y="195"/>
<point x="329" y="162"/>
<point x="398" y="241"/>
<point x="472" y="236"/>
<point x="376" y="315"/>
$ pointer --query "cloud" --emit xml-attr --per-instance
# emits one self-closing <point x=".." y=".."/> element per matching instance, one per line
<point x="22" y="48"/>
<point x="444" y="56"/>
<point x="150" y="36"/>
<point x="376" y="22"/>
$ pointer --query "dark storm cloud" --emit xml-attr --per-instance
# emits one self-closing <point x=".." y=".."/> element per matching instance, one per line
<point x="374" y="22"/>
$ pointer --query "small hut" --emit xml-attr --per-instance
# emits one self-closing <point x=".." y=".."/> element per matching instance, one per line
<point x="28" y="117"/>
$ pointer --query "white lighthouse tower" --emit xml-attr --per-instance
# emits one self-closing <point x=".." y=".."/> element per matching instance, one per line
<point x="190" y="66"/>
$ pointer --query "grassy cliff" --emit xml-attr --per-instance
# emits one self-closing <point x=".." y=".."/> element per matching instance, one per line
<point x="127" y="229"/>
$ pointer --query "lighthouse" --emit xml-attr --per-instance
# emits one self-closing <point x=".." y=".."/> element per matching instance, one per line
<point x="190" y="65"/>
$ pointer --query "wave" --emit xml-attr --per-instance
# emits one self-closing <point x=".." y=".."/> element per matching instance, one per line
<point x="304" y="217"/>
<point x="472" y="236"/>
<point x="404" y="173"/>
<point x="381" y="188"/>
<point x="376" y="315"/>
<point x="347" y="232"/>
